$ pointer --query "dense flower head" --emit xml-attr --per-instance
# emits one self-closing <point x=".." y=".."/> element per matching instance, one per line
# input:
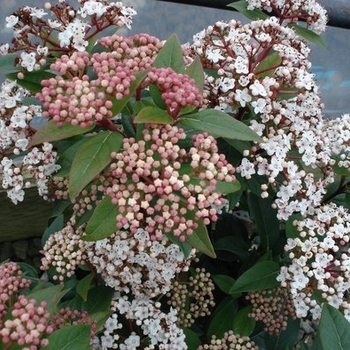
<point x="132" y="263"/>
<point x="159" y="186"/>
<point x="27" y="325"/>
<point x="319" y="257"/>
<point x="273" y="307"/>
<point x="229" y="341"/>
<point x="178" y="90"/>
<point x="192" y="297"/>
<point x="63" y="251"/>
<point x="11" y="283"/>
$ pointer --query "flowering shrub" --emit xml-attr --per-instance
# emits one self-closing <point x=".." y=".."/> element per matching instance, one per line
<point x="201" y="198"/>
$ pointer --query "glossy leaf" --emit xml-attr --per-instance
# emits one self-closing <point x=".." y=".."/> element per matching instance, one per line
<point x="51" y="132"/>
<point x="103" y="221"/>
<point x="192" y="339"/>
<point x="83" y="286"/>
<point x="99" y="299"/>
<point x="201" y="241"/>
<point x="75" y="337"/>
<point x="224" y="282"/>
<point x="154" y="115"/>
<point x="227" y="187"/>
<point x="241" y="6"/>
<point x="243" y="324"/>
<point x="308" y="35"/>
<point x="31" y="80"/>
<point x="196" y="72"/>
<point x="219" y="322"/>
<point x="259" y="277"/>
<point x="91" y="158"/>
<point x="265" y="219"/>
<point x="333" y="330"/>
<point x="171" y="55"/>
<point x="220" y="124"/>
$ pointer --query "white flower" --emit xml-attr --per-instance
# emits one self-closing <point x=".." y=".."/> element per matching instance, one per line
<point x="28" y="60"/>
<point x="11" y="21"/>
<point x="214" y="55"/>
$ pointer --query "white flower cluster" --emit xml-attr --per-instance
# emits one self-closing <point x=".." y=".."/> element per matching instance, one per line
<point x="132" y="263"/>
<point x="159" y="327"/>
<point x="16" y="128"/>
<point x="315" y="14"/>
<point x="72" y="27"/>
<point x="320" y="262"/>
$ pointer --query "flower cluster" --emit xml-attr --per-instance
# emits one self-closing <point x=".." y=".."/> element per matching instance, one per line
<point x="28" y="324"/>
<point x="60" y="27"/>
<point x="180" y="185"/>
<point x="229" y="341"/>
<point x="11" y="282"/>
<point x="193" y="297"/>
<point x="132" y="263"/>
<point x="64" y="250"/>
<point x="319" y="262"/>
<point x="273" y="307"/>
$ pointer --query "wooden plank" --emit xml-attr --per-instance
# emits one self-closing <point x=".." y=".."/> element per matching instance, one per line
<point x="24" y="220"/>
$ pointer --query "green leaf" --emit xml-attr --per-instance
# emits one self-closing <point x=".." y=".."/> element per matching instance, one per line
<point x="51" y="132"/>
<point x="171" y="55"/>
<point x="91" y="158"/>
<point x="268" y="65"/>
<point x="243" y="324"/>
<point x="154" y="115"/>
<point x="308" y="35"/>
<point x="103" y="221"/>
<point x="7" y="64"/>
<point x="196" y="72"/>
<point x="220" y="322"/>
<point x="333" y="330"/>
<point x="83" y="286"/>
<point x="192" y="339"/>
<point x="99" y="299"/>
<point x="259" y="277"/>
<point x="241" y="6"/>
<point x="32" y="80"/>
<point x="73" y="337"/>
<point x="220" y="124"/>
<point x="227" y="187"/>
<point x="56" y="225"/>
<point x="265" y="219"/>
<point x="185" y="247"/>
<point x="201" y="241"/>
<point x="234" y="245"/>
<point x="157" y="96"/>
<point x="224" y="282"/>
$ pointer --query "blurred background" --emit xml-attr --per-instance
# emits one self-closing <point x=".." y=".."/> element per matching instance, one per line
<point x="330" y="65"/>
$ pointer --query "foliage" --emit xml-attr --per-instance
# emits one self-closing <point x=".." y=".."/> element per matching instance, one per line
<point x="201" y="199"/>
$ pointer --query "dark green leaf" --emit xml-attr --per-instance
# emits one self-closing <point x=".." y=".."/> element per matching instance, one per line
<point x="243" y="324"/>
<point x="73" y="337"/>
<point x="51" y="132"/>
<point x="196" y="72"/>
<point x="171" y="55"/>
<point x="308" y="35"/>
<point x="192" y="339"/>
<point x="153" y="115"/>
<point x="103" y="221"/>
<point x="234" y="245"/>
<point x="221" y="321"/>
<point x="268" y="65"/>
<point x="31" y="80"/>
<point x="333" y="330"/>
<point x="201" y="241"/>
<point x="220" y="124"/>
<point x="265" y="219"/>
<point x="157" y="96"/>
<point x="224" y="282"/>
<point x="7" y="64"/>
<point x="259" y="277"/>
<point x="83" y="286"/>
<point x="99" y="299"/>
<point x="227" y="187"/>
<point x="128" y="126"/>
<point x="56" y="225"/>
<point x="241" y="6"/>
<point x="91" y="158"/>
<point x="185" y="247"/>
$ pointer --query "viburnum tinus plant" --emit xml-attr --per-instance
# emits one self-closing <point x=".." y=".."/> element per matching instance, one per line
<point x="201" y="198"/>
